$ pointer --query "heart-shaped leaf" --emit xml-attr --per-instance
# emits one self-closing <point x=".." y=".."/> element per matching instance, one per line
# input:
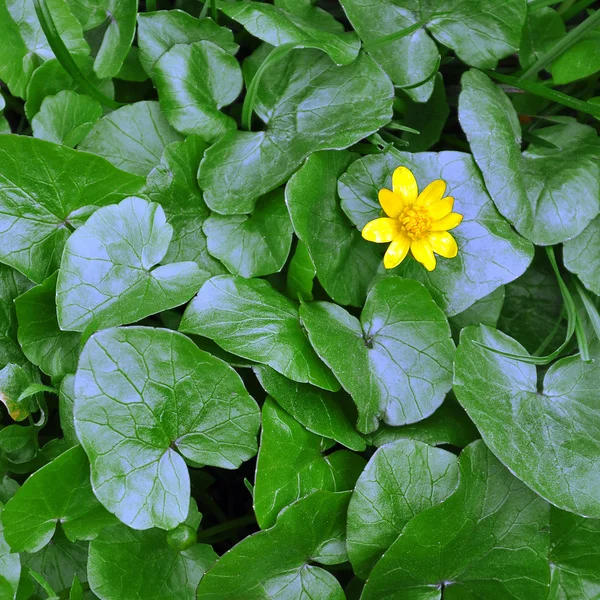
<point x="251" y="319"/>
<point x="401" y="480"/>
<point x="545" y="436"/>
<point x="144" y="399"/>
<point x="61" y="493"/>
<point x="489" y="252"/>
<point x="109" y="264"/>
<point x="291" y="465"/>
<point x="395" y="362"/>
<point x="42" y="188"/>
<point x="301" y="117"/>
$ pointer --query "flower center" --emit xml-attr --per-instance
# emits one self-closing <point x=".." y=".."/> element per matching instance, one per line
<point x="415" y="222"/>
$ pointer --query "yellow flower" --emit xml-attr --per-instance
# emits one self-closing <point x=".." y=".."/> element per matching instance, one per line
<point x="415" y="222"/>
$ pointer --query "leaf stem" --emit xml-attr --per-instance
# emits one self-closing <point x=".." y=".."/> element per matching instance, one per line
<point x="397" y="35"/>
<point x="590" y="308"/>
<point x="562" y="45"/>
<point x="64" y="56"/>
<point x="576" y="9"/>
<point x="213" y="11"/>
<point x="274" y="56"/>
<point x="231" y="525"/>
<point x="538" y="89"/>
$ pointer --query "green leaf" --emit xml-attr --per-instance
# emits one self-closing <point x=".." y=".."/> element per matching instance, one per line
<point x="300" y="274"/>
<point x="549" y="195"/>
<point x="14" y="381"/>
<point x="19" y="445"/>
<point x="276" y="26"/>
<point x="66" y="403"/>
<point x="174" y="185"/>
<point x="125" y="563"/>
<point x="76" y="592"/>
<point x="395" y="362"/>
<point x="53" y="350"/>
<point x="580" y="254"/>
<point x="574" y="556"/>
<point x="489" y="252"/>
<point x="322" y="412"/>
<point x="174" y="402"/>
<point x="275" y="564"/>
<point x="532" y="306"/>
<point x="66" y="118"/>
<point x="8" y="488"/>
<point x="43" y="187"/>
<point x="306" y="9"/>
<point x="12" y="284"/>
<point x="301" y="117"/>
<point x="120" y="15"/>
<point x="109" y="274"/>
<point x="10" y="566"/>
<point x="252" y="245"/>
<point x="543" y="28"/>
<point x="23" y="44"/>
<point x="449" y="425"/>
<point x="544" y="435"/>
<point x="345" y="263"/>
<point x="579" y="61"/>
<point x="159" y="31"/>
<point x="132" y="138"/>
<point x="401" y="480"/>
<point x="194" y="81"/>
<point x="488" y="540"/>
<point x="485" y="311"/>
<point x="250" y="319"/>
<point x="61" y="493"/>
<point x="291" y="465"/>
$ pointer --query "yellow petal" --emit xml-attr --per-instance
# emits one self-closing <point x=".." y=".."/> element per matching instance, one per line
<point x="396" y="252"/>
<point x="404" y="185"/>
<point x="423" y="252"/>
<point x="381" y="230"/>
<point x="448" y="222"/>
<point x="434" y="191"/>
<point x="440" y="208"/>
<point x="391" y="203"/>
<point x="443" y="243"/>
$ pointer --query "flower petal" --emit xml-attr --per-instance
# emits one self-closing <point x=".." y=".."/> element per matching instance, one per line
<point x="381" y="230"/>
<point x="423" y="252"/>
<point x="448" y="222"/>
<point x="396" y="252"/>
<point x="391" y="203"/>
<point x="404" y="185"/>
<point x="440" y="208"/>
<point x="434" y="191"/>
<point x="443" y="243"/>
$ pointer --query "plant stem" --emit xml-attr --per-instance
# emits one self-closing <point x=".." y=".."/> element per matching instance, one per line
<point x="576" y="9"/>
<point x="213" y="11"/>
<point x="225" y="527"/>
<point x="64" y="56"/>
<point x="537" y="4"/>
<point x="397" y="35"/>
<point x="562" y="45"/>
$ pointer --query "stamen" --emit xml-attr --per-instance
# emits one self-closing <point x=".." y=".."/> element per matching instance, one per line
<point x="415" y="222"/>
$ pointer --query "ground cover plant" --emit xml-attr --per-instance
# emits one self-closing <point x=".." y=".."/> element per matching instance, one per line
<point x="299" y="300"/>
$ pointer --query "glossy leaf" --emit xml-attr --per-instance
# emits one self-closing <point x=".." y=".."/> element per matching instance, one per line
<point x="61" y="493"/>
<point x="43" y="187"/>
<point x="160" y="31"/>
<point x="301" y="274"/>
<point x="549" y="195"/>
<point x="125" y="563"/>
<point x="193" y="406"/>
<point x="300" y="118"/>
<point x="543" y="28"/>
<point x="345" y="263"/>
<point x="310" y="530"/>
<point x="111" y="262"/>
<point x="544" y="435"/>
<point x="579" y="61"/>
<point x="53" y="350"/>
<point x="66" y="118"/>
<point x="252" y="320"/>
<point x="291" y="465"/>
<point x="396" y="361"/>
<point x="322" y="412"/>
<point x="132" y="138"/>
<point x="489" y="252"/>
<point x="485" y="311"/>
<point x="10" y="566"/>
<point x="194" y="81"/>
<point x="276" y="26"/>
<point x="579" y="256"/>
<point x="252" y="245"/>
<point x="401" y="480"/>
